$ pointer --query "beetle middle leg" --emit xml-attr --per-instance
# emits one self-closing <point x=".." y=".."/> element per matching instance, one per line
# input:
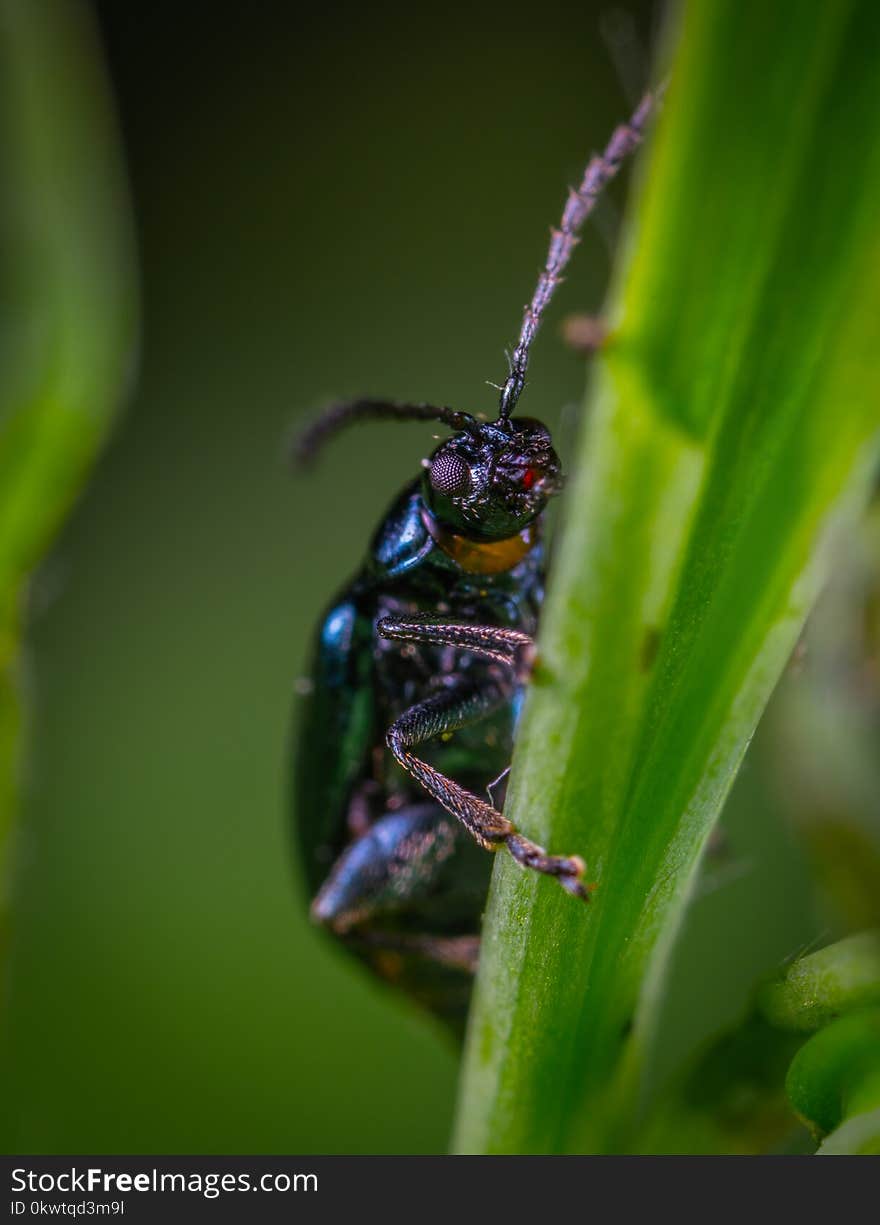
<point x="387" y="868"/>
<point x="459" y="704"/>
<point x="397" y="868"/>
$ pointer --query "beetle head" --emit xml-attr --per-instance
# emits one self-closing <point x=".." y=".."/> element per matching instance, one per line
<point x="492" y="480"/>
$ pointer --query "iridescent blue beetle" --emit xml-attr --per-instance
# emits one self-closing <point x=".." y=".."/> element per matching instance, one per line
<point x="407" y="729"/>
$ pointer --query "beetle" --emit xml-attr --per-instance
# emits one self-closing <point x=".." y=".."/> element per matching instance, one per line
<point x="408" y="720"/>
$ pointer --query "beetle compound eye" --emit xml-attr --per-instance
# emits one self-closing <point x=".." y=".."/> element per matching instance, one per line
<point x="450" y="475"/>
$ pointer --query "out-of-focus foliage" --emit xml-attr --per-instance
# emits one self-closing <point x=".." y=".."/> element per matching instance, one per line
<point x="834" y="1080"/>
<point x="823" y="749"/>
<point x="818" y="988"/>
<point x="66" y="265"/>
<point x="732" y="440"/>
<point x="742" y="1092"/>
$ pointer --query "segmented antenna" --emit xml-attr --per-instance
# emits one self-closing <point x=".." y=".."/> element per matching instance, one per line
<point x="308" y="443"/>
<point x="602" y="167"/>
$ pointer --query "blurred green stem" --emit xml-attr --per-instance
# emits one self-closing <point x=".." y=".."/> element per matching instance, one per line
<point x="69" y="322"/>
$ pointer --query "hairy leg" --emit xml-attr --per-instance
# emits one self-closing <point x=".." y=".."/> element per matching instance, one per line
<point x="460" y="704"/>
<point x="388" y="868"/>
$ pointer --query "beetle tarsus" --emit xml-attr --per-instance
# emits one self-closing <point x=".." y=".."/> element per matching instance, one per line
<point x="568" y="869"/>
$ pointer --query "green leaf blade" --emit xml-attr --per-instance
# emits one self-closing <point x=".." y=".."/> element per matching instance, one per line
<point x="733" y="427"/>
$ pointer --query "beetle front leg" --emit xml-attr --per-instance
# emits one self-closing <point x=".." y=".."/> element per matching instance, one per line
<point x="511" y="648"/>
<point x="464" y="702"/>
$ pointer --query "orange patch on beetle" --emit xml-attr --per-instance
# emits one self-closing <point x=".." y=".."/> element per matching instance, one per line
<point x="481" y="556"/>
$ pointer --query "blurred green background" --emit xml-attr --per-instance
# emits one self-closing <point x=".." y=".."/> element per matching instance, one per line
<point x="352" y="200"/>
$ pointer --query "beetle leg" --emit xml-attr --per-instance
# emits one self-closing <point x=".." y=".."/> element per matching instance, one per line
<point x="462" y="703"/>
<point x="396" y="862"/>
<point x="511" y="648"/>
<point x="498" y="784"/>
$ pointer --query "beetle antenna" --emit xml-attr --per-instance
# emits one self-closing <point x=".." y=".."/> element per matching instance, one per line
<point x="601" y="168"/>
<point x="308" y="442"/>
